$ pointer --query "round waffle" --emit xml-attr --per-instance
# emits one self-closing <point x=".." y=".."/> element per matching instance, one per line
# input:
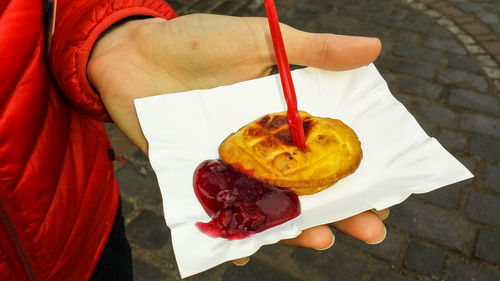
<point x="265" y="150"/>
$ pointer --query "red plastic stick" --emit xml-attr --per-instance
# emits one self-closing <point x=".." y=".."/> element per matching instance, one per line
<point x="294" y="121"/>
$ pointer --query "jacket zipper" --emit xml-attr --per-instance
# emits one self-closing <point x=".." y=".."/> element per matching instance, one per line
<point x="16" y="242"/>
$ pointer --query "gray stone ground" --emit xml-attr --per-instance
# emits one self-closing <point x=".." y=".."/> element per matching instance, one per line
<point x="440" y="59"/>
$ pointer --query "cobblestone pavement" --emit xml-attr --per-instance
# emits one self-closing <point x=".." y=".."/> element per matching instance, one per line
<point x="440" y="59"/>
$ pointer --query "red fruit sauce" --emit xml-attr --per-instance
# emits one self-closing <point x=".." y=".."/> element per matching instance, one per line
<point x="239" y="204"/>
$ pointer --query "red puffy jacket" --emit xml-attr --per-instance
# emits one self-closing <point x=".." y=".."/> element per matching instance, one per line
<point x="58" y="195"/>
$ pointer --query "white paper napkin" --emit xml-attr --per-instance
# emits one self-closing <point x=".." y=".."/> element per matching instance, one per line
<point x="184" y="129"/>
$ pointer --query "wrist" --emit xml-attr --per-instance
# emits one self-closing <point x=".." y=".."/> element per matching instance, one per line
<point x="113" y="42"/>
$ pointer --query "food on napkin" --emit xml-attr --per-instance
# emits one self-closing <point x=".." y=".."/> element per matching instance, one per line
<point x="398" y="157"/>
<point x="265" y="150"/>
<point x="255" y="184"/>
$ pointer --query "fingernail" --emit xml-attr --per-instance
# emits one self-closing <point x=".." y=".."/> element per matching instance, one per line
<point x="329" y="246"/>
<point x="386" y="215"/>
<point x="383" y="238"/>
<point x="242" y="264"/>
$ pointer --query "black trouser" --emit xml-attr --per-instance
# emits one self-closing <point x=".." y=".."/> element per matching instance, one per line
<point x="115" y="263"/>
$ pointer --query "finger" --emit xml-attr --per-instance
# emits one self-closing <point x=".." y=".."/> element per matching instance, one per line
<point x="365" y="226"/>
<point x="318" y="237"/>
<point x="241" y="261"/>
<point x="329" y="51"/>
<point x="382" y="214"/>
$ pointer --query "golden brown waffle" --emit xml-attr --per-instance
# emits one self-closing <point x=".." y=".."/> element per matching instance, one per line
<point x="264" y="149"/>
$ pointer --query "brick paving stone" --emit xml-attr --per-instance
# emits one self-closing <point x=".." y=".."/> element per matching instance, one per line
<point x="322" y="265"/>
<point x="480" y="124"/>
<point x="446" y="197"/>
<point x="406" y="37"/>
<point x="496" y="28"/>
<point x="441" y="33"/>
<point x="473" y="100"/>
<point x="386" y="20"/>
<point x="491" y="177"/>
<point x="485" y="147"/>
<point x="464" y="63"/>
<point x="336" y="22"/>
<point x="274" y="252"/>
<point x="429" y="2"/>
<point x="492" y="6"/>
<point x="457" y="78"/>
<point x="389" y="249"/>
<point x="353" y="11"/>
<point x="176" y="4"/>
<point x="422" y="54"/>
<point x="254" y="5"/>
<point x="451" y="12"/>
<point x="380" y="273"/>
<point x="449" y="45"/>
<point x="285" y="3"/>
<point x="487" y="18"/>
<point x="374" y="7"/>
<point x="297" y="18"/>
<point x="462" y="271"/>
<point x="425" y="260"/>
<point x="465" y="19"/>
<point x="127" y="208"/>
<point x="440" y="5"/>
<point x="144" y="271"/>
<point x="280" y="256"/>
<point x="486" y="60"/>
<point x="483" y="208"/>
<point x="469" y="7"/>
<point x="227" y="7"/>
<point x="416" y="26"/>
<point x="256" y="270"/>
<point x="492" y="72"/>
<point x="497" y="58"/>
<point x="488" y="246"/>
<point x="430" y="128"/>
<point x="315" y="6"/>
<point x="468" y="163"/>
<point x="415" y="86"/>
<point x="486" y="37"/>
<point x="148" y="230"/>
<point x="475" y="28"/>
<point x="492" y="47"/>
<point x="202" y="6"/>
<point x="140" y="157"/>
<point x="435" y="224"/>
<point x="414" y="68"/>
<point x="143" y="188"/>
<point x="384" y="62"/>
<point x="451" y="140"/>
<point x="370" y="30"/>
<point x="212" y="274"/>
<point x="431" y="110"/>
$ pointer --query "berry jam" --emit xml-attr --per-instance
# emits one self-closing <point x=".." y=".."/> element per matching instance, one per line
<point x="239" y="204"/>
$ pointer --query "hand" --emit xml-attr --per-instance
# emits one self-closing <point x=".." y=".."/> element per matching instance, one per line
<point x="366" y="226"/>
<point x="153" y="56"/>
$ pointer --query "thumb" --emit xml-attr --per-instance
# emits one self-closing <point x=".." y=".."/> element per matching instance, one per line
<point x="329" y="51"/>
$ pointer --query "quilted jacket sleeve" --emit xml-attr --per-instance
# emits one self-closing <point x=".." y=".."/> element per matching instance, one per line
<point x="78" y="24"/>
